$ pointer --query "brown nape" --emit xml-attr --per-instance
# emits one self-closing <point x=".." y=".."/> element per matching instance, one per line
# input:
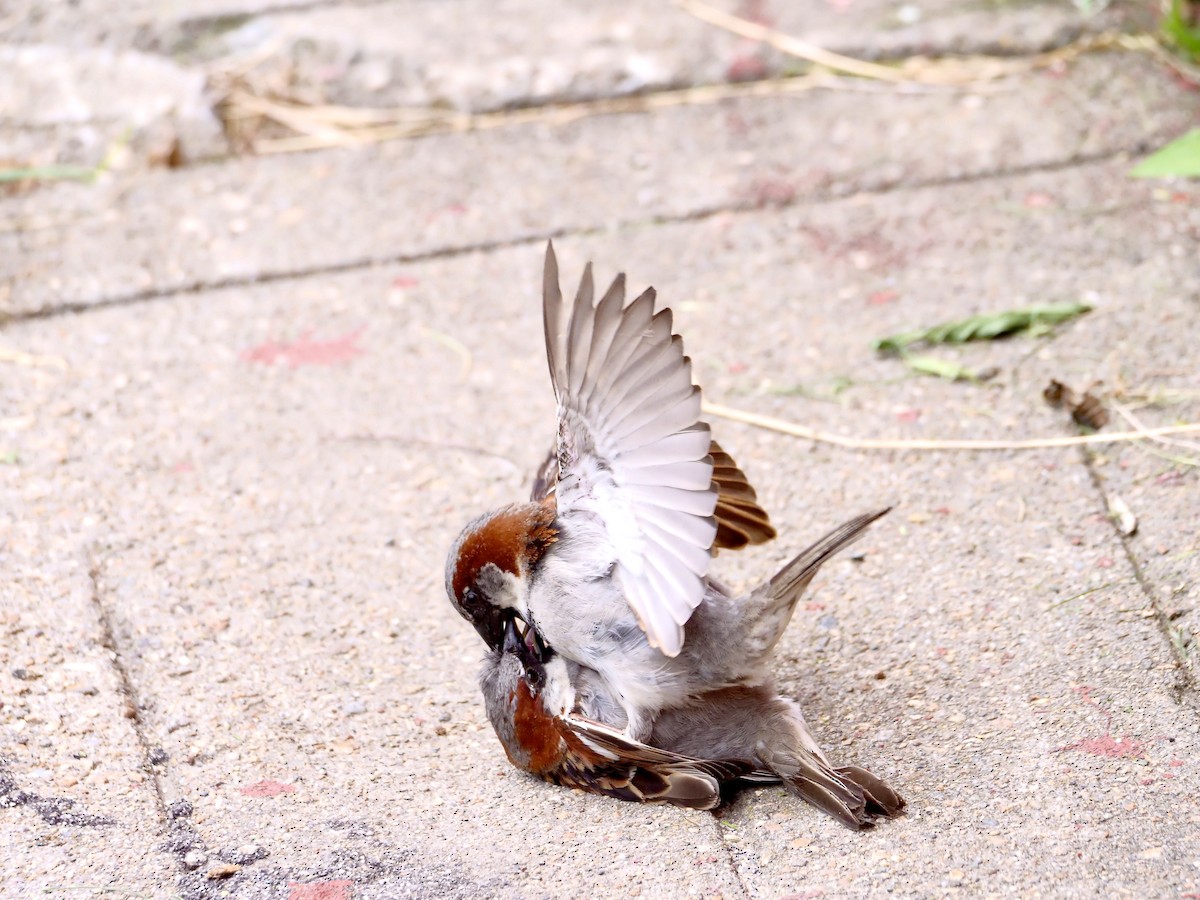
<point x="536" y="733"/>
<point x="740" y="520"/>
<point x="511" y="537"/>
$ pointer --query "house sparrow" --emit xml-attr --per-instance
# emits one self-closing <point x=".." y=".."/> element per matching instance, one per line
<point x="609" y="559"/>
<point x="529" y="698"/>
<point x="722" y="740"/>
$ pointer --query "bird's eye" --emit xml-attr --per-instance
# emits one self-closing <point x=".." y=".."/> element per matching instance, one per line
<point x="534" y="677"/>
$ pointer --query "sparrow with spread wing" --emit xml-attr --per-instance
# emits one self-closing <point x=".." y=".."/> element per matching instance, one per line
<point x="609" y="561"/>
<point x="556" y="720"/>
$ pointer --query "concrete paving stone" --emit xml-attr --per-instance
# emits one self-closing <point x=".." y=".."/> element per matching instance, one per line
<point x="1143" y="351"/>
<point x="411" y="53"/>
<point x="471" y="55"/>
<point x="253" y="219"/>
<point x="70" y="105"/>
<point x="78" y="809"/>
<point x="274" y="473"/>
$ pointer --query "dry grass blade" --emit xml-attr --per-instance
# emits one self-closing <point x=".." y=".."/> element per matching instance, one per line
<point x="783" y="427"/>
<point x="319" y="127"/>
<point x="790" y="45"/>
<point x="917" y="70"/>
<point x="31" y="360"/>
<point x="1149" y="433"/>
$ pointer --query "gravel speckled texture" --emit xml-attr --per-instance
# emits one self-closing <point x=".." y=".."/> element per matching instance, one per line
<point x="228" y="667"/>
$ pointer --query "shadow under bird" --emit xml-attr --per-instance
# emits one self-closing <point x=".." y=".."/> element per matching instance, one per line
<point x="606" y="569"/>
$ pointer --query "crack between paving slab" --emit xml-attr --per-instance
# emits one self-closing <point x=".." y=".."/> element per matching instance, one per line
<point x="729" y="856"/>
<point x="696" y="215"/>
<point x="1185" y="689"/>
<point x="125" y="683"/>
<point x="174" y="818"/>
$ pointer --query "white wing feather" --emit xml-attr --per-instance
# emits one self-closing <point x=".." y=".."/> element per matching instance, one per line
<point x="632" y="450"/>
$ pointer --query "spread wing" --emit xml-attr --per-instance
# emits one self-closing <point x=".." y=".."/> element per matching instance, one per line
<point x="740" y="520"/>
<point x="632" y="451"/>
<point x="607" y="762"/>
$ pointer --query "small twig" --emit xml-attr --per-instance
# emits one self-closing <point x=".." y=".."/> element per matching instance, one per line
<point x="783" y="427"/>
<point x="1127" y="414"/>
<point x="944" y="72"/>
<point x="466" y="361"/>
<point x="1102" y="587"/>
<point x="31" y="360"/>
<point x="379" y="125"/>
<point x="792" y="46"/>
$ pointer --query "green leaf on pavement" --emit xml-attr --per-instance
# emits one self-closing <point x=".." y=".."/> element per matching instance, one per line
<point x="1180" y="157"/>
<point x="985" y="327"/>
<point x="1175" y="25"/>
<point x="939" y="368"/>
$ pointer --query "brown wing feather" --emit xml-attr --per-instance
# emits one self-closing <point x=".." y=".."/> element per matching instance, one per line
<point x="603" y="761"/>
<point x="740" y="520"/>
<point x="546" y="477"/>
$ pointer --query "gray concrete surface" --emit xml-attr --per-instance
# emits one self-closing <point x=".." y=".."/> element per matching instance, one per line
<point x="246" y="405"/>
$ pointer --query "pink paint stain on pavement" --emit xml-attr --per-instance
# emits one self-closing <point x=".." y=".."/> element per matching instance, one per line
<point x="307" y="351"/>
<point x="267" y="788"/>
<point x="320" y="890"/>
<point x="1106" y="746"/>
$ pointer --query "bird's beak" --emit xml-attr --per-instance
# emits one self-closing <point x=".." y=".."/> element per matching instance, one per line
<point x="492" y="623"/>
<point x="535" y="643"/>
<point x="512" y="639"/>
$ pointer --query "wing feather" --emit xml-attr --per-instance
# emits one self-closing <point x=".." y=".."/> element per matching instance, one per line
<point x="552" y="315"/>
<point x="579" y="334"/>
<point x="690" y="475"/>
<point x="632" y="450"/>
<point x="668" y="421"/>
<point x="689" y="444"/>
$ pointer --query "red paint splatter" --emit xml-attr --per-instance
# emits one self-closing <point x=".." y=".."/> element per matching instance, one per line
<point x="756" y="11"/>
<point x="943" y="511"/>
<point x="405" y="281"/>
<point x="1182" y="80"/>
<point x="1104" y="562"/>
<point x="1106" y="746"/>
<point x="879" y="298"/>
<point x="908" y="415"/>
<point x="736" y="368"/>
<point x="267" y="788"/>
<point x="320" y="890"/>
<point x="1037" y="200"/>
<point x="812" y="606"/>
<point x="1175" y="763"/>
<point x="182" y="468"/>
<point x="1173" y="477"/>
<point x="770" y="192"/>
<point x="746" y="67"/>
<point x="1085" y="694"/>
<point x="305" y="351"/>
<point x="868" y="250"/>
